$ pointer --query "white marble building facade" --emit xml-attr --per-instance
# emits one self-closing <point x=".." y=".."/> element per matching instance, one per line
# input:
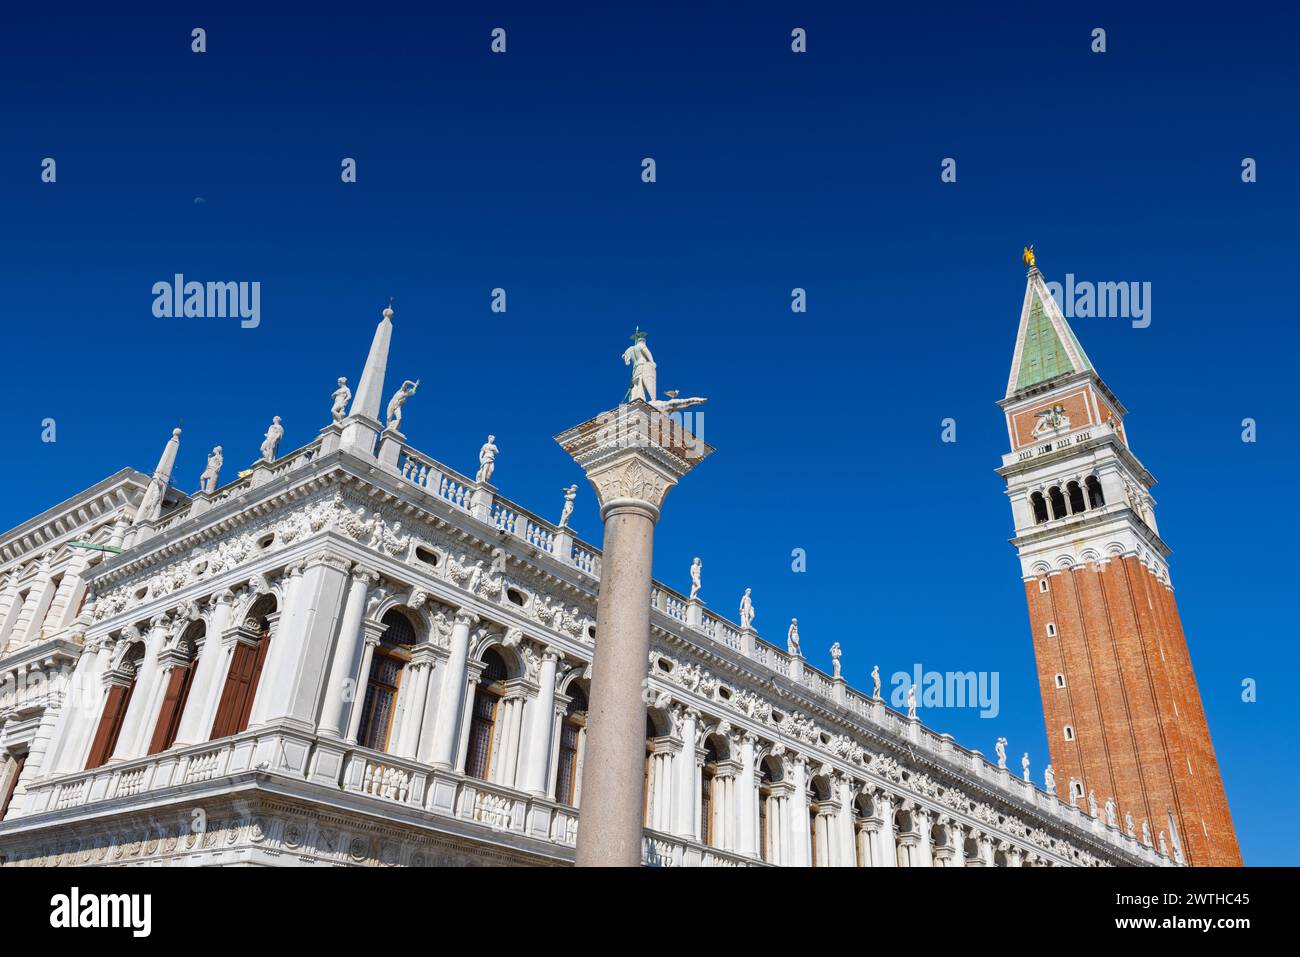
<point x="355" y="655"/>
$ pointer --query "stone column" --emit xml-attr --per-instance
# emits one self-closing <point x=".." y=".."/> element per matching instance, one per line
<point x="632" y="455"/>
<point x="201" y="705"/>
<point x="801" y="837"/>
<point x="87" y="702"/>
<point x="747" y="798"/>
<point x="848" y="846"/>
<point x="888" y="856"/>
<point x="446" y="729"/>
<point x="132" y="740"/>
<point x="414" y="694"/>
<point x="924" y="824"/>
<point x="538" y="755"/>
<point x="958" y="837"/>
<point x="684" y="776"/>
<point x="373" y="631"/>
<point x="345" y="685"/>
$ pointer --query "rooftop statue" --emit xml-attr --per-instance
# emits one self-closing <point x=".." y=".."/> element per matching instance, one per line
<point x="697" y="567"/>
<point x="341" y="396"/>
<point x="397" y="401"/>
<point x="271" y="442"/>
<point x="746" y="610"/>
<point x="208" y="480"/>
<point x="487" y="460"/>
<point x="570" y="494"/>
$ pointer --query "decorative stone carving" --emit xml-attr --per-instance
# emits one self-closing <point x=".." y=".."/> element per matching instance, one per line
<point x="630" y="480"/>
<point x="792" y="639"/>
<point x="696" y="568"/>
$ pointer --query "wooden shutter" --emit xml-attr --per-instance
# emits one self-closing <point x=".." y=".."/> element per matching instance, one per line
<point x="232" y="711"/>
<point x="169" y="716"/>
<point x="13" y="784"/>
<point x="110" y="724"/>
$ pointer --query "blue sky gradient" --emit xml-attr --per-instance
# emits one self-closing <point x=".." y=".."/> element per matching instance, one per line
<point x="775" y="170"/>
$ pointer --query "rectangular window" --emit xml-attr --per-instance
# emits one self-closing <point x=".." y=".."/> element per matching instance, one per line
<point x="381" y="697"/>
<point x="566" y="777"/>
<point x="482" y="720"/>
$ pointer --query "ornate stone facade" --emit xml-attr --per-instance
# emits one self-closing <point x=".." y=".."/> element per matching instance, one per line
<point x="419" y="655"/>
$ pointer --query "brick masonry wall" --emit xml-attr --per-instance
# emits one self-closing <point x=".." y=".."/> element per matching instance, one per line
<point x="1131" y="697"/>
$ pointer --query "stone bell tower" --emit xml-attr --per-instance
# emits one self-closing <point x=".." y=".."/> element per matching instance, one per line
<point x="1123" y="713"/>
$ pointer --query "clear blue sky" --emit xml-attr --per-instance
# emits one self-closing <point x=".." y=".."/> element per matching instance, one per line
<point x="774" y="170"/>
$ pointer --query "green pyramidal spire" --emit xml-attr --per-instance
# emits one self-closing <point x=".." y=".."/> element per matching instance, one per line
<point x="1046" y="346"/>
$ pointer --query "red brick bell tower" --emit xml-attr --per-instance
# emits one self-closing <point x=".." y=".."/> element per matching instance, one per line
<point x="1123" y="713"/>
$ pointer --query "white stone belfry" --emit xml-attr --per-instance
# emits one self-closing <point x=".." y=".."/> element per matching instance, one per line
<point x="632" y="455"/>
<point x="362" y="426"/>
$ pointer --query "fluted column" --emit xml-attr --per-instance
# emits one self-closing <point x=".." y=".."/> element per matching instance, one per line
<point x="538" y="755"/>
<point x="959" y="845"/>
<point x="345" y="686"/>
<point x="632" y="457"/>
<point x="446" y="730"/>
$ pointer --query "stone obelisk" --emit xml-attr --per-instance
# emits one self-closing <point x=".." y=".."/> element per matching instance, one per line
<point x="633" y="455"/>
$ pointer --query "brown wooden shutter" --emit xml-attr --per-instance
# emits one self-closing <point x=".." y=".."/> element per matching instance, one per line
<point x="240" y="689"/>
<point x="110" y="724"/>
<point x="169" y="716"/>
<point x="13" y="784"/>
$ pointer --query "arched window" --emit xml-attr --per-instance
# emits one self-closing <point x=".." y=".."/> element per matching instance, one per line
<point x="707" y="775"/>
<point x="1058" y="501"/>
<point x="1095" y="498"/>
<point x="483" y="717"/>
<point x="566" y="772"/>
<point x="118" y="699"/>
<point x="245" y="671"/>
<point x="387" y="663"/>
<point x="1040" y="507"/>
<point x="181" y="660"/>
<point x="1076" y="498"/>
